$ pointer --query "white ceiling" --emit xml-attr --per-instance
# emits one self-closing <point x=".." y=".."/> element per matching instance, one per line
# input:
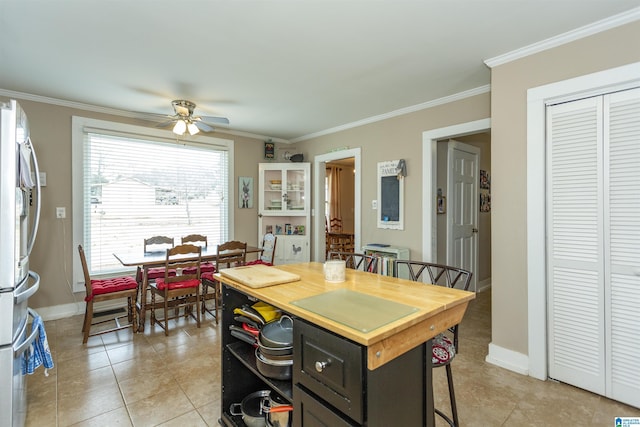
<point x="283" y="69"/>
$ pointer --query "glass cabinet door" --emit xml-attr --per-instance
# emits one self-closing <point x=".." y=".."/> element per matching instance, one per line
<point x="295" y="192"/>
<point x="272" y="186"/>
<point x="283" y="189"/>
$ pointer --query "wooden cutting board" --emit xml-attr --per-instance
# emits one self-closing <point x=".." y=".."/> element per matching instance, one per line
<point x="259" y="276"/>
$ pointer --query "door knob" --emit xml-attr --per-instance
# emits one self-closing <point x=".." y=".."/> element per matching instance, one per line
<point x="474" y="230"/>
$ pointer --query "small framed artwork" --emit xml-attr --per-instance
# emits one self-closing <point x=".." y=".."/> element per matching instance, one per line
<point x="288" y="229"/>
<point x="442" y="205"/>
<point x="485" y="180"/>
<point x="245" y="193"/>
<point x="269" y="150"/>
<point x="299" y="229"/>
<point x="278" y="229"/>
<point x="269" y="229"/>
<point x="485" y="202"/>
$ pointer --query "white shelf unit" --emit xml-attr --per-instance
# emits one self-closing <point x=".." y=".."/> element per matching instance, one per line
<point x="386" y="255"/>
<point x="284" y="209"/>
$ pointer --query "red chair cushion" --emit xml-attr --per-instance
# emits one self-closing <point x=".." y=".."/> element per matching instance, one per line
<point x="442" y="350"/>
<point x="259" y="261"/>
<point x="205" y="267"/>
<point x="107" y="286"/>
<point x="156" y="273"/>
<point x="207" y="276"/>
<point x="191" y="283"/>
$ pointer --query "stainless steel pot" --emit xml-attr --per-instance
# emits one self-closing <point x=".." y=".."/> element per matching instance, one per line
<point x="252" y="409"/>
<point x="278" y="411"/>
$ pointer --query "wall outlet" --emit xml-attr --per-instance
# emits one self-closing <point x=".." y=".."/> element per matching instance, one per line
<point x="374" y="204"/>
<point x="61" y="212"/>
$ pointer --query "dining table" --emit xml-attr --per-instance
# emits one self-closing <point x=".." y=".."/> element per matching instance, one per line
<point x="151" y="259"/>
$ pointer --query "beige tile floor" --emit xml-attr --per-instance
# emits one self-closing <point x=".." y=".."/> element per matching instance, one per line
<point x="147" y="379"/>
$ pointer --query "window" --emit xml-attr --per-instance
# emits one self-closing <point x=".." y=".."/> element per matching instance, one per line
<point x="131" y="183"/>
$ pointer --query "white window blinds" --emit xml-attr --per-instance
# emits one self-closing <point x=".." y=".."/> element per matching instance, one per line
<point x="135" y="187"/>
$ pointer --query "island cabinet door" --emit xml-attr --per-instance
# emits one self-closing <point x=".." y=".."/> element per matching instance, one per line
<point x="310" y="412"/>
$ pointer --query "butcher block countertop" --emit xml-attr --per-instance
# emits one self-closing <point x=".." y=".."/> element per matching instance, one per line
<point x="416" y="312"/>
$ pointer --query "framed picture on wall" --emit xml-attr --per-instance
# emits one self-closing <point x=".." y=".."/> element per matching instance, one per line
<point x="245" y="193"/>
<point x="485" y="180"/>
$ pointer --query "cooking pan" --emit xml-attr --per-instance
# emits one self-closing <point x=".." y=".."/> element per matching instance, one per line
<point x="250" y="322"/>
<point x="275" y="351"/>
<point x="277" y="410"/>
<point x="275" y="369"/>
<point x="242" y="335"/>
<point x="251" y="409"/>
<point x="249" y="313"/>
<point x="278" y="333"/>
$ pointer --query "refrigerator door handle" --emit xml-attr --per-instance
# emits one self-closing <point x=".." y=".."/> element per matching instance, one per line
<point x="22" y="296"/>
<point x="36" y="219"/>
<point x="26" y="343"/>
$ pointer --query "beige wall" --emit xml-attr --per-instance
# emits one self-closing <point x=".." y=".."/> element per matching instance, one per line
<point x="53" y="250"/>
<point x="509" y="85"/>
<point x="397" y="138"/>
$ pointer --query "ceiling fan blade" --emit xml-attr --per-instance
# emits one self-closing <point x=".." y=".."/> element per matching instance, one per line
<point x="219" y="120"/>
<point x="166" y="123"/>
<point x="203" y="126"/>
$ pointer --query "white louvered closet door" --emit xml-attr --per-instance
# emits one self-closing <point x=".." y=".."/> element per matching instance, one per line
<point x="593" y="232"/>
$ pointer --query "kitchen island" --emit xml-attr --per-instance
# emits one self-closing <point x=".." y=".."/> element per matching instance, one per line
<point x="360" y="346"/>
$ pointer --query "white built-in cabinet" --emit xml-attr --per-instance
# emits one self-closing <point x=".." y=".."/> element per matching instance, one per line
<point x="593" y="232"/>
<point x="284" y="209"/>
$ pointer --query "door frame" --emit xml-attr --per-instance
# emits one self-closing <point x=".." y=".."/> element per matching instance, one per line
<point x="429" y="178"/>
<point x="537" y="99"/>
<point x="317" y="211"/>
<point x="453" y="145"/>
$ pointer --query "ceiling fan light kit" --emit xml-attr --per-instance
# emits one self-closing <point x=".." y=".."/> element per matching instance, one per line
<point x="184" y="121"/>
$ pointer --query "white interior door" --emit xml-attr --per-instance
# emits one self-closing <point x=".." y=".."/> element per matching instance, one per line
<point x="622" y="243"/>
<point x="593" y="229"/>
<point x="462" y="209"/>
<point x="575" y="259"/>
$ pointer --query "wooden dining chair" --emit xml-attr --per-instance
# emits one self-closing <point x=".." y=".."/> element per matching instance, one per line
<point x="230" y="254"/>
<point x="335" y="225"/>
<point x="445" y="345"/>
<point x="268" y="252"/>
<point x="181" y="289"/>
<point x="155" y="244"/>
<point x="98" y="290"/>
<point x="199" y="240"/>
<point x="356" y="261"/>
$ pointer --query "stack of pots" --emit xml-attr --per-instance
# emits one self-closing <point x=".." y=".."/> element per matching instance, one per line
<point x="274" y="354"/>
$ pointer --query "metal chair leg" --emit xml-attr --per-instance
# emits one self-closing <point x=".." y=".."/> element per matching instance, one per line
<point x="452" y="396"/>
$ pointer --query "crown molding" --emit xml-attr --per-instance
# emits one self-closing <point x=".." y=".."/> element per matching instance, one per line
<point x="573" y="35"/>
<point x="118" y="112"/>
<point x="402" y="111"/>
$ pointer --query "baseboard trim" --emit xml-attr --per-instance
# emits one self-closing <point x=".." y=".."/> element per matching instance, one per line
<point x="508" y="359"/>
<point x="63" y="311"/>
<point x="483" y="285"/>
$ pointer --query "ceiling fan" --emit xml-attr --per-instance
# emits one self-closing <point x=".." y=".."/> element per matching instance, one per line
<point x="184" y="121"/>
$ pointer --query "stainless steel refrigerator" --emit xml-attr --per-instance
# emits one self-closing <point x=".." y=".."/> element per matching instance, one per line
<point x="19" y="217"/>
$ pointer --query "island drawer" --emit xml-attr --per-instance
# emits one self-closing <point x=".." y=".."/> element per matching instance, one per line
<point x="329" y="366"/>
<point x="312" y="413"/>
